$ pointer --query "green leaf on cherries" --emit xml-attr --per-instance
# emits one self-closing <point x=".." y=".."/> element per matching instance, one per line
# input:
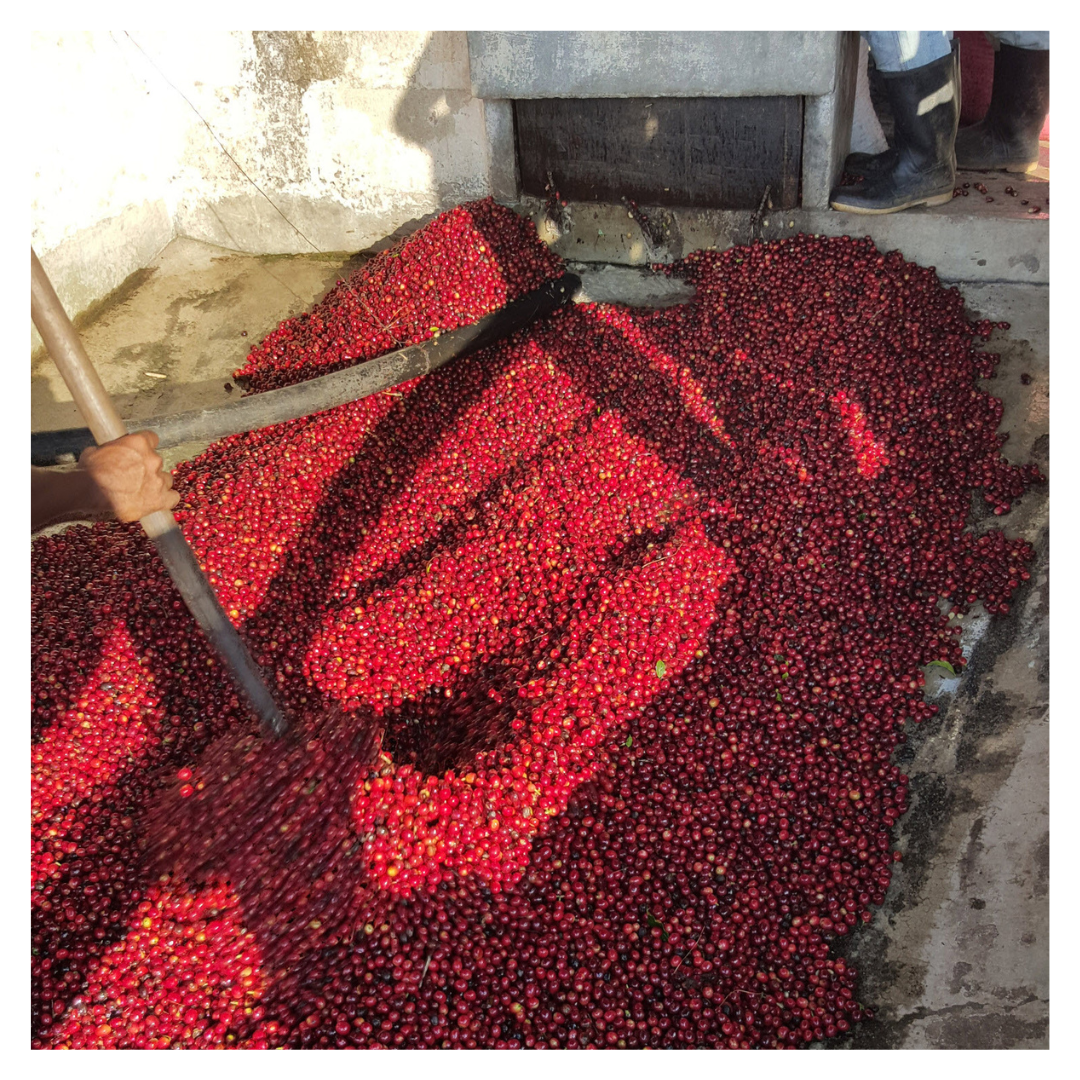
<point x="629" y="741"/>
<point x="653" y="921"/>
<point x="661" y="669"/>
<point x="944" y="664"/>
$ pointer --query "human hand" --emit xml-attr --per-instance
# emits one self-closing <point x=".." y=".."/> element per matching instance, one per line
<point x="128" y="476"/>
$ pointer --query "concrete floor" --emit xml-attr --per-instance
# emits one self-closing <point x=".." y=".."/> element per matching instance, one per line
<point x="170" y="338"/>
<point x="958" y="957"/>
<point x="959" y="954"/>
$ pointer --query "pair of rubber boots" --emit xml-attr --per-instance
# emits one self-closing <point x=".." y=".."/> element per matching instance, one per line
<point x="920" y="168"/>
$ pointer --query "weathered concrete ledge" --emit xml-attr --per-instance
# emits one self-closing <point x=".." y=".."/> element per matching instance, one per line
<point x="636" y="63"/>
<point x="968" y="239"/>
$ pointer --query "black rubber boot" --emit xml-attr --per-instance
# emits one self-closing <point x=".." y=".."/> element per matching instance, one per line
<point x="922" y="171"/>
<point x="1008" y="136"/>
<point x="869" y="164"/>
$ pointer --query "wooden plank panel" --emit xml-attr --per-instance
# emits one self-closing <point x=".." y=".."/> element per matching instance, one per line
<point x="710" y="152"/>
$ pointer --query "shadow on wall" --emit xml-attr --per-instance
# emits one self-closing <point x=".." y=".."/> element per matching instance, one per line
<point x="406" y="92"/>
<point x="438" y="113"/>
<point x="287" y="63"/>
<point x="350" y="133"/>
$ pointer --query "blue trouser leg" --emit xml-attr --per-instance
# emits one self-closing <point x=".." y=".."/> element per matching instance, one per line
<point x="905" y="50"/>
<point x="1023" y="39"/>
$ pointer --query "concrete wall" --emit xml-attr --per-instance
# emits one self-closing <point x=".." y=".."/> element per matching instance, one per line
<point x="293" y="141"/>
<point x="348" y="134"/>
<point x="99" y="203"/>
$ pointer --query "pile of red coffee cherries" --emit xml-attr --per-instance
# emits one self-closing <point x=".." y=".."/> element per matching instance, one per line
<point x="639" y="603"/>
<point x="463" y="265"/>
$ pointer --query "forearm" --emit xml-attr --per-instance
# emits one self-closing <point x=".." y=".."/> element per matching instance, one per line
<point x="58" y="495"/>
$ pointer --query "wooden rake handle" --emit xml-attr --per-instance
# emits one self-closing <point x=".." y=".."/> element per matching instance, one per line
<point x="93" y="401"/>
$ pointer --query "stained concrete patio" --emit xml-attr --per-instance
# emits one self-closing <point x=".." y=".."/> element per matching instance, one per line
<point x="958" y="957"/>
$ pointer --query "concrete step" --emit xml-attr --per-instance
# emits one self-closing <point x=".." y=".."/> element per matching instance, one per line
<point x="967" y="239"/>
